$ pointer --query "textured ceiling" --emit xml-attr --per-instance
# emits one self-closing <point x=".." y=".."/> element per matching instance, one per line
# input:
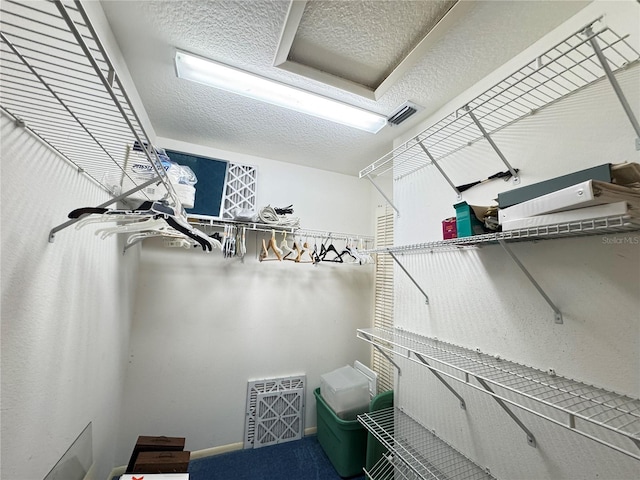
<point x="246" y="34"/>
<point x="374" y="49"/>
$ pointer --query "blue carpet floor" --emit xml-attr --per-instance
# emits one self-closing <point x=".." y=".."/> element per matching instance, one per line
<point x="297" y="460"/>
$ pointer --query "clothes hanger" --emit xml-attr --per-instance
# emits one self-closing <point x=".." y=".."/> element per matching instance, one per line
<point x="314" y="255"/>
<point x="297" y="249"/>
<point x="306" y="254"/>
<point x="150" y="223"/>
<point x="348" y="251"/>
<point x="284" y="246"/>
<point x="157" y="210"/>
<point x="330" y="249"/>
<point x="147" y="208"/>
<point x="264" y="255"/>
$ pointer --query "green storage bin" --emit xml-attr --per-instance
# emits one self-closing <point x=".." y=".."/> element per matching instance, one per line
<point x="467" y="224"/>
<point x="375" y="449"/>
<point x="344" y="441"/>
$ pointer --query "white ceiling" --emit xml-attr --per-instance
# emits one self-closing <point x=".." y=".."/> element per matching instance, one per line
<point x="246" y="34"/>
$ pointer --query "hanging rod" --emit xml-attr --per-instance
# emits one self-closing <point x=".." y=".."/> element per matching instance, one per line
<point x="265" y="227"/>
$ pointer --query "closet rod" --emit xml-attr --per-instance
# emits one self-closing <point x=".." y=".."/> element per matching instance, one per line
<point x="333" y="235"/>
<point x="265" y="227"/>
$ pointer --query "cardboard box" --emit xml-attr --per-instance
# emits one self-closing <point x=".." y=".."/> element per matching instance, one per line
<point x="147" y="443"/>
<point x="162" y="462"/>
<point x="449" y="229"/>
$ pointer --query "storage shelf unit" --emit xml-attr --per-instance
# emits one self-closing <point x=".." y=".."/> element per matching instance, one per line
<point x="606" y="417"/>
<point x="57" y="80"/>
<point x="563" y="69"/>
<point x="597" y="226"/>
<point x="415" y="452"/>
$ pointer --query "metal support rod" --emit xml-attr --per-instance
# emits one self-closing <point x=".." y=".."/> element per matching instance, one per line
<point x="486" y="135"/>
<point x="62" y="226"/>
<point x="388" y="357"/>
<point x="395" y="259"/>
<point x="531" y="440"/>
<point x="614" y="83"/>
<point x="383" y="194"/>
<point x="382" y="352"/>
<point x="463" y="405"/>
<point x="556" y="310"/>
<point x="435" y="164"/>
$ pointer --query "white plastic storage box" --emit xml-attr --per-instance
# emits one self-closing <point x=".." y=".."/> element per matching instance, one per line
<point x="346" y="391"/>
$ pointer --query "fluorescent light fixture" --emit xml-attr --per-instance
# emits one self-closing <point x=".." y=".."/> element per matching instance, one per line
<point x="217" y="75"/>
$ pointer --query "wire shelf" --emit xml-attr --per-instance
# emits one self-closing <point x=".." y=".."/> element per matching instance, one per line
<point x="563" y="69"/>
<point x="584" y="405"/>
<point x="595" y="226"/>
<point x="56" y="79"/>
<point x="390" y="467"/>
<point x="416" y="451"/>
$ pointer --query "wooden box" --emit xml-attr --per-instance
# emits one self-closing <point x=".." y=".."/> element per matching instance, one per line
<point x="154" y="444"/>
<point x="162" y="462"/>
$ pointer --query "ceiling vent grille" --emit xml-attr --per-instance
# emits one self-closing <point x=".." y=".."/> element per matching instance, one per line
<point x="403" y="112"/>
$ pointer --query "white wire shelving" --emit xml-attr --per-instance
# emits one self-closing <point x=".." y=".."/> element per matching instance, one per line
<point x="595" y="226"/>
<point x="57" y="81"/>
<point x="567" y="67"/>
<point x="414" y="452"/>
<point x="608" y="418"/>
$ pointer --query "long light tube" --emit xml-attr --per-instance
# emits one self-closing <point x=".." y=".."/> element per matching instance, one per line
<point x="217" y="75"/>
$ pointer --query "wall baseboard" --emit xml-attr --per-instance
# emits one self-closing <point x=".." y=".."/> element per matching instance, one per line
<point x="210" y="452"/>
<point x="207" y="452"/>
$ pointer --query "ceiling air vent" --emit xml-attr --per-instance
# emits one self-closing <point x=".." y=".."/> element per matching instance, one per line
<point x="403" y="112"/>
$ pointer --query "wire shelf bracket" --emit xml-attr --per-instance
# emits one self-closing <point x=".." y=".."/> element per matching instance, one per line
<point x="486" y="135"/>
<point x="463" y="405"/>
<point x="395" y="259"/>
<point x="614" y="82"/>
<point x="435" y="164"/>
<point x="384" y="195"/>
<point x="556" y="311"/>
<point x="531" y="440"/>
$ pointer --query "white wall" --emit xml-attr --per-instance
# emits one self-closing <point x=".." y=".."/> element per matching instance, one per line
<point x="66" y="313"/>
<point x="480" y="299"/>
<point x="204" y="325"/>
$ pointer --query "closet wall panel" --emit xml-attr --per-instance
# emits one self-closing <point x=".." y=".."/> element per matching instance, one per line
<point x="479" y="299"/>
<point x="66" y="314"/>
<point x="204" y="326"/>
